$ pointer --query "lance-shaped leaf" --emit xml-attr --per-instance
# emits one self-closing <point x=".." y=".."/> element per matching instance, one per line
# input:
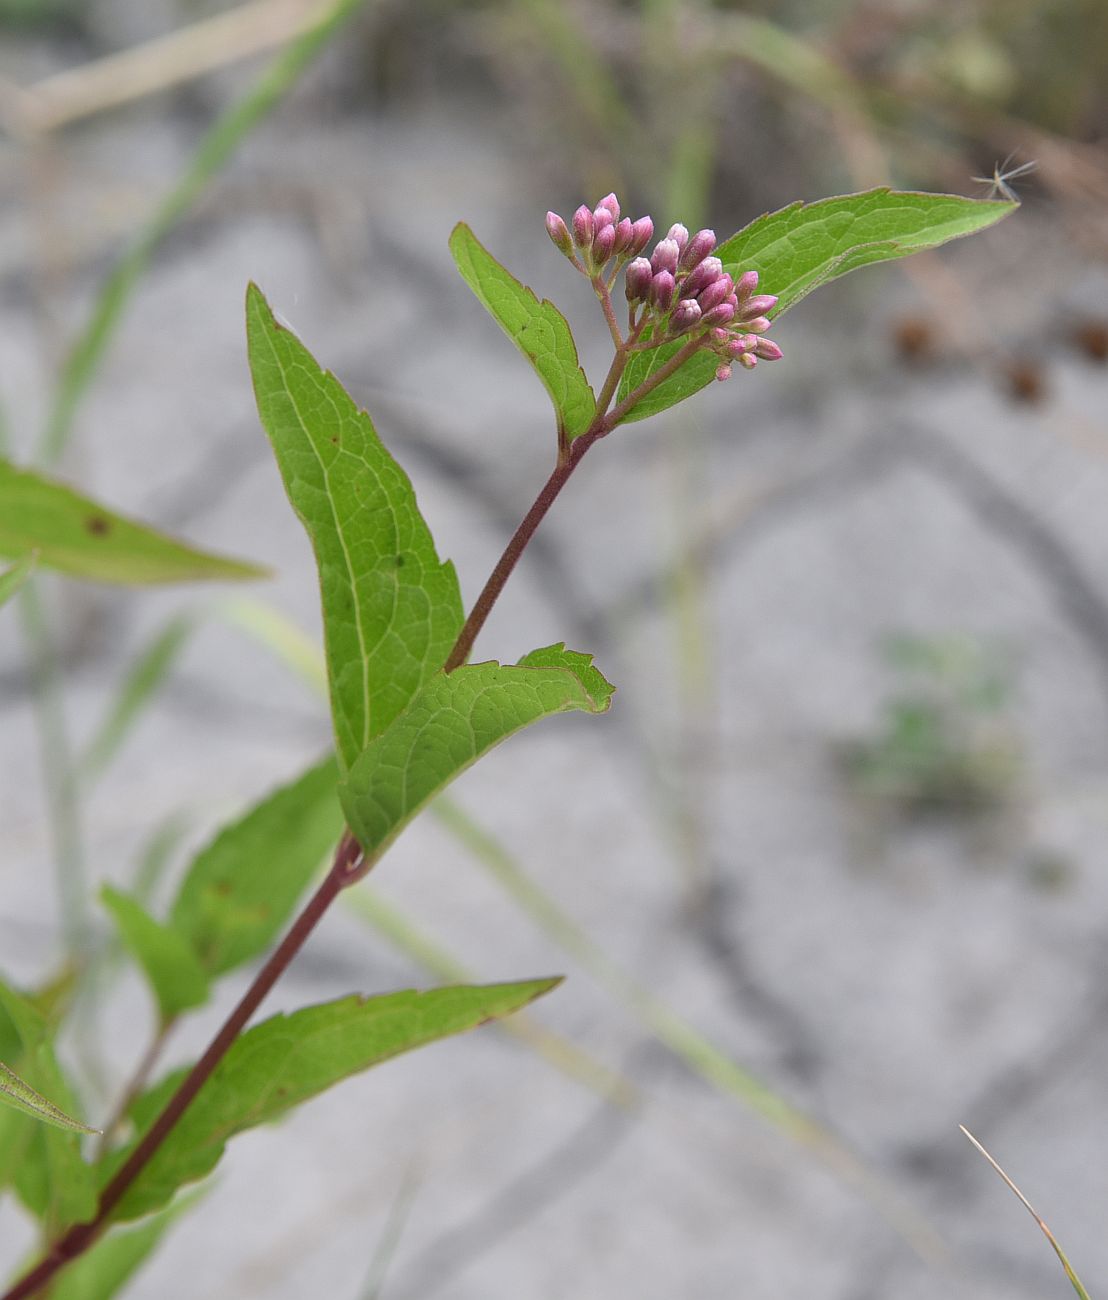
<point x="18" y="1094"/>
<point x="538" y="329"/>
<point x="173" y="970"/>
<point x="807" y="244"/>
<point x="455" y="719"/>
<point x="44" y="1161"/>
<point x="242" y="887"/>
<point x="75" y="535"/>
<point x="289" y="1058"/>
<point x="12" y="579"/>
<point x="391" y="608"/>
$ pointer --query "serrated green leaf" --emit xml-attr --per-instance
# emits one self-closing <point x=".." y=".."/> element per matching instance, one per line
<point x="391" y="609"/>
<point x="18" y="1094"/>
<point x="80" y="537"/>
<point x="50" y="1176"/>
<point x="139" y="685"/>
<point x="12" y="579"/>
<point x="808" y="244"/>
<point x="290" y="1058"/>
<point x="105" y="1269"/>
<point x="538" y="329"/>
<point x="240" y="890"/>
<point x="173" y="970"/>
<point x="455" y="719"/>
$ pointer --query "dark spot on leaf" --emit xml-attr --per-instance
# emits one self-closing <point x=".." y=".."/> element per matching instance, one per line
<point x="399" y="561"/>
<point x="98" y="526"/>
<point x="222" y="887"/>
<point x="335" y="439"/>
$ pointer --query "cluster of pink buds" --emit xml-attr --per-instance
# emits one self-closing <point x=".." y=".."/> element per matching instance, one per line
<point x="599" y="236"/>
<point x="680" y="290"/>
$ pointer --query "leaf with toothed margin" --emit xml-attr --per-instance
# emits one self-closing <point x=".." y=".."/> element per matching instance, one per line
<point x="288" y="1059"/>
<point x="391" y="607"/>
<point x="808" y="244"/>
<point x="455" y="719"/>
<point x="538" y="329"/>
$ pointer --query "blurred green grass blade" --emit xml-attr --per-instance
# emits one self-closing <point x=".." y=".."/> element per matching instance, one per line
<point x="241" y="889"/>
<point x="139" y="687"/>
<point x="12" y="579"/>
<point x="19" y="1094"/>
<point x="538" y="329"/>
<point x="280" y="636"/>
<point x="557" y="1051"/>
<point x="290" y="1058"/>
<point x="805" y="245"/>
<point x="213" y="153"/>
<point x="454" y="720"/>
<point x="173" y="971"/>
<point x="1067" y="1267"/>
<point x="77" y="536"/>
<point x="391" y="608"/>
<point x="689" y="1044"/>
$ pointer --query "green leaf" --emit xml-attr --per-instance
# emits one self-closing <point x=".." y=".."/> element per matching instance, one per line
<point x="455" y="719"/>
<point x="15" y="1092"/>
<point x="290" y="1058"/>
<point x="391" y="609"/>
<point x="538" y="329"/>
<point x="241" y="889"/>
<point x="142" y="681"/>
<point x="173" y="970"/>
<point x="807" y="244"/>
<point x="50" y="1176"/>
<point x="78" y="536"/>
<point x="103" y="1270"/>
<point x="12" y="579"/>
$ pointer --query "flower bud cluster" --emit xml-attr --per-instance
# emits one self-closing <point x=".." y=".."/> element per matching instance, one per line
<point x="599" y="235"/>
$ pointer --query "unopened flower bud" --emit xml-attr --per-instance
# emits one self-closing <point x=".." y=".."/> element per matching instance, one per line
<point x="664" y="257"/>
<point x="685" y="315"/>
<point x="721" y="336"/>
<point x="701" y="276"/>
<point x="748" y="361"/>
<point x="718" y="291"/>
<point x="719" y="315"/>
<point x="584" y="227"/>
<point x="610" y="202"/>
<point x="642" y="232"/>
<point x="745" y="285"/>
<point x="723" y="372"/>
<point x="624" y="234"/>
<point x="603" y="242"/>
<point x="601" y="218"/>
<point x="559" y="234"/>
<point x="768" y="350"/>
<point x="661" y="290"/>
<point x="637" y="280"/>
<point x="758" y="305"/>
<point x="679" y="234"/>
<point x="758" y="325"/>
<point x="737" y="346"/>
<point x="698" y="249"/>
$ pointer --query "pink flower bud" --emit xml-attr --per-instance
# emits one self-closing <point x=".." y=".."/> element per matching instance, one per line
<point x="610" y="202"/>
<point x="679" y="234"/>
<point x="758" y="305"/>
<point x="701" y="276"/>
<point x="603" y="242"/>
<point x="698" y="248"/>
<point x="664" y="257"/>
<point x="758" y="325"/>
<point x="685" y="315"/>
<point x="768" y="350"/>
<point x="559" y="235"/>
<point x="721" y="336"/>
<point x="642" y="232"/>
<point x="637" y="280"/>
<point x="748" y="361"/>
<point x="745" y="285"/>
<point x="584" y="227"/>
<point x="737" y="346"/>
<point x="719" y="315"/>
<point x="624" y="234"/>
<point x="723" y="372"/>
<point x="718" y="291"/>
<point x="661" y="290"/>
<point x="602" y="217"/>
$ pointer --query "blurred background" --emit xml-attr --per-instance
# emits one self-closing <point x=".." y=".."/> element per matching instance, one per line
<point x="838" y="849"/>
